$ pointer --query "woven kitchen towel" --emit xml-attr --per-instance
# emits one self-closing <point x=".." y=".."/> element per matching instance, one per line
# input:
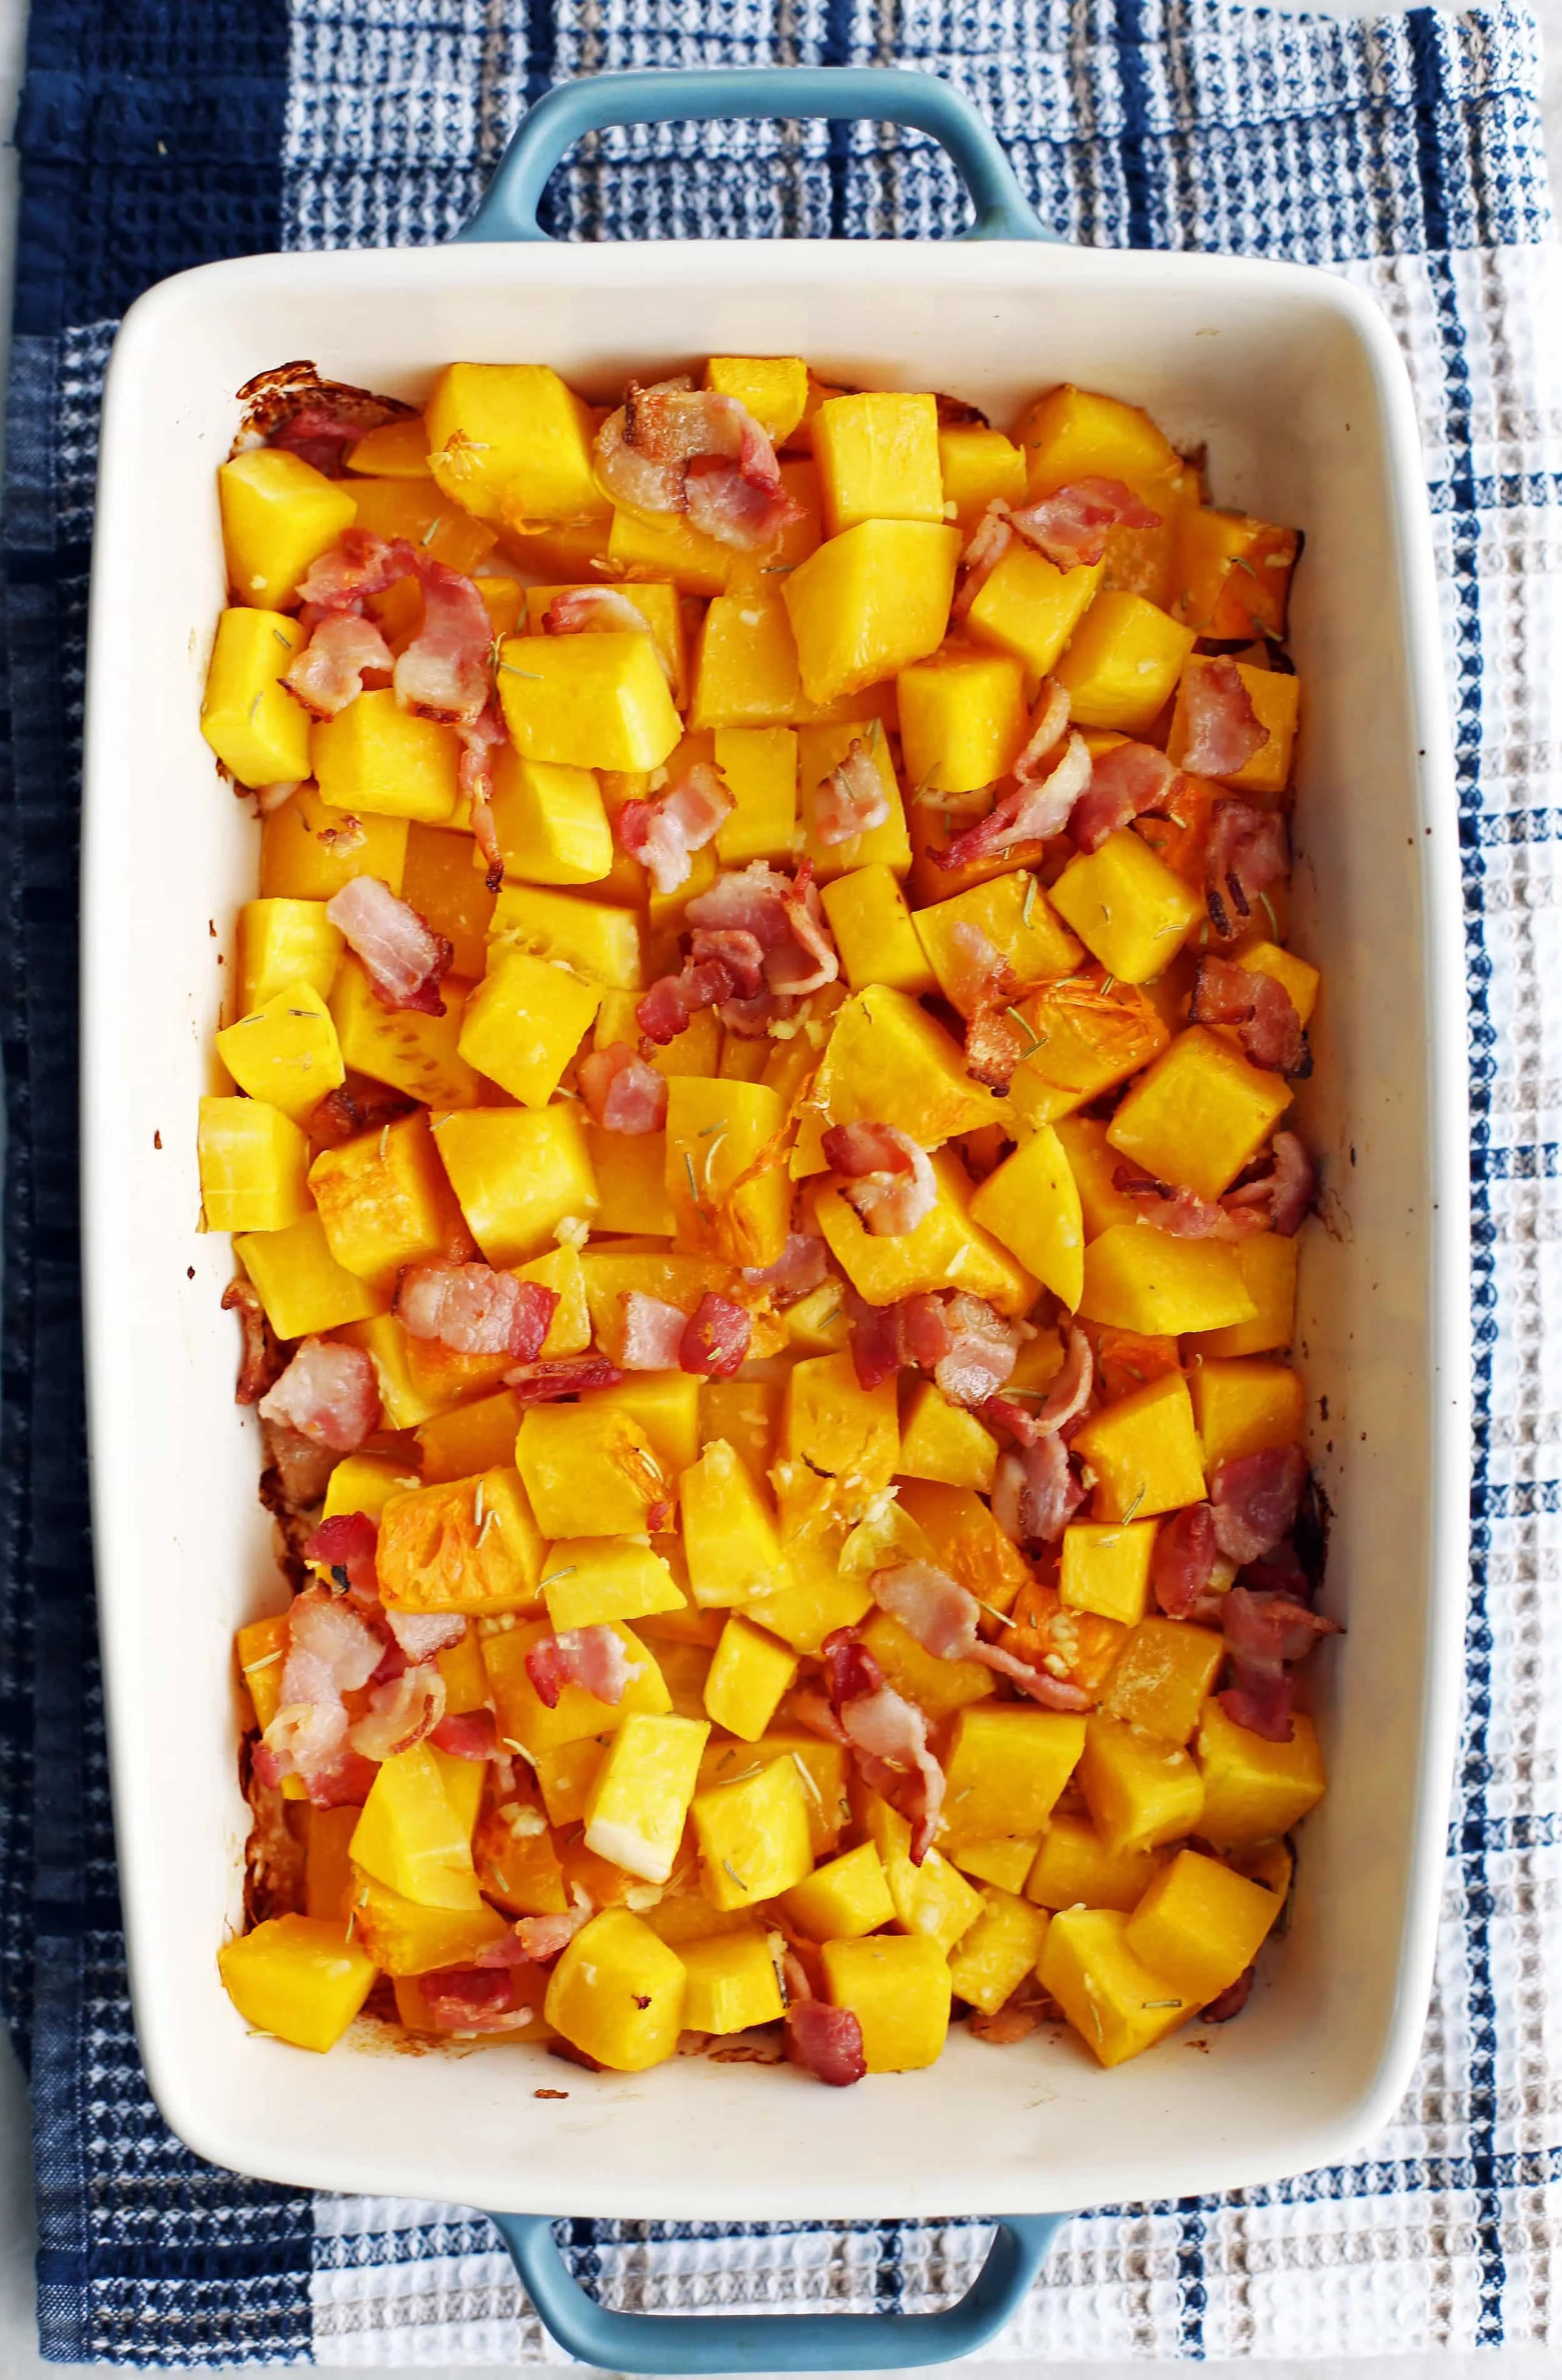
<point x="1406" y="153"/>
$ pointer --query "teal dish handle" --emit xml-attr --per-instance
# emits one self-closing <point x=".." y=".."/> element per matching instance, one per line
<point x="778" y="2342"/>
<point x="883" y="94"/>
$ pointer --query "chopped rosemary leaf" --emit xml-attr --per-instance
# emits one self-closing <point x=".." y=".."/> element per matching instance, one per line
<point x="1030" y="901"/>
<point x="428" y="536"/>
<point x="1031" y="1042"/>
<point x="733" y="1873"/>
<point x="533" y="676"/>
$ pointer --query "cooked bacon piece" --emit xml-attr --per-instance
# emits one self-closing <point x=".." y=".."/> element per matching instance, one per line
<point x="421" y="1634"/>
<point x="809" y="962"/>
<point x="1049" y="724"/>
<point x="1037" y="808"/>
<point x="403" y="960"/>
<point x="298" y="1467"/>
<point x="1016" y="2020"/>
<point x="1261" y="1700"/>
<point x="666" y="833"/>
<point x="575" y="610"/>
<point x="1254" y="1499"/>
<point x="888" y="1733"/>
<point x="474" y="1310"/>
<point x="851" y="799"/>
<point x="1065" y="1401"/>
<point x="653" y="1332"/>
<point x="890" y="1181"/>
<point x="566" y="1375"/>
<point x="480" y="738"/>
<point x="1124" y="782"/>
<point x="622" y="1093"/>
<point x="672" y="1000"/>
<point x="981" y="1352"/>
<point x="400" y="1714"/>
<point x="942" y="1616"/>
<point x="1266" y="1636"/>
<point x="328" y="672"/>
<point x="345" y="1545"/>
<point x="782" y="914"/>
<point x="1233" y="2000"/>
<point x="532" y="1942"/>
<point x="1246" y="853"/>
<point x="814" y="1711"/>
<point x="347" y="1112"/>
<point x="988" y="542"/>
<point x="737" y="951"/>
<point x="826" y="2041"/>
<point x="261" y="1361"/>
<point x="481" y="1999"/>
<point x="716" y="1337"/>
<point x="741" y="503"/>
<point x="1182" y="1212"/>
<point x="1284" y="1188"/>
<point x="643" y="450"/>
<point x="309" y="1740"/>
<point x="1183" y="1560"/>
<point x="995" y="1043"/>
<point x="1223" y="731"/>
<point x="358" y="566"/>
<point x="328" y="1393"/>
<point x="1072" y="526"/>
<point x="331" y="1651"/>
<point x="592" y="1658"/>
<point x="322" y="421"/>
<point x="981" y="976"/>
<point x="272" y="798"/>
<point x="674" y="448"/>
<point x="876" y="1344"/>
<point x="802" y="1266"/>
<point x="468" y="1735"/>
<point x="1034" y="1492"/>
<point x="446" y="672"/>
<point x="1269" y="1028"/>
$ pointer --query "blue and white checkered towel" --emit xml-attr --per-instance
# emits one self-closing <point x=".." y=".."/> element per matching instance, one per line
<point x="1406" y="153"/>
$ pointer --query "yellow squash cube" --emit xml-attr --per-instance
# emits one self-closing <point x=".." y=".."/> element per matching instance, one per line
<point x="511" y="443"/>
<point x="410" y="1837"/>
<point x="254" y="1166"/>
<point x="307" y="852"/>
<point x="279" y="516"/>
<point x="759" y="767"/>
<point x="730" y="1542"/>
<point x="480" y="1437"/>
<point x="898" y="1988"/>
<point x="1003" y="1860"/>
<point x="1301" y="981"/>
<point x="589" y="702"/>
<point x="618" y="1993"/>
<point x="874" y="931"/>
<point x="414" y="1052"/>
<point x="1087" y="1034"/>
<point x="299" y="1978"/>
<point x="1072" y="1864"/>
<point x="403" y="1938"/>
<point x="1245" y="1407"/>
<point x="745" y="665"/>
<point x="299" y="1282"/>
<point x="1094" y="1164"/>
<point x="252" y="723"/>
<point x="967" y="1541"/>
<point x="466" y="1545"/>
<point x="1122" y="662"/>
<point x="375" y="756"/>
<point x="564" y="1776"/>
<point x="1139" y="1279"/>
<point x="940" y="1441"/>
<point x="1128" y="909"/>
<point x="519" y="1174"/>
<point x="820" y="750"/>
<point x="1199" y="1114"/>
<point x="845" y="1899"/>
<point x="666" y="1405"/>
<point x="1266" y="1267"/>
<point x="1006" y="1767"/>
<point x="282" y="942"/>
<point x="933" y="1899"/>
<point x="1252" y="1788"/>
<point x="1031" y="1203"/>
<point x="328" y="1871"/>
<point x="963" y="719"/>
<point x="415" y="510"/>
<point x="631" y="1176"/>
<point x="550" y="822"/>
<point x="746" y="1413"/>
<point x="523" y="1023"/>
<point x="726" y="1177"/>
<point x="1139" y="1792"/>
<point x="659" y="607"/>
<point x="588" y="1580"/>
<point x="939" y="1687"/>
<point x="772" y="390"/>
<point x="977" y="466"/>
<point x="1275" y="696"/>
<point x="870" y="601"/>
<point x="1070" y="433"/>
<point x="878" y="459"/>
<point x="1161" y="1678"/>
<point x="947" y="1249"/>
<point x="821" y="1772"/>
<point x="1109" y="1997"/>
<point x="397" y="450"/>
<point x="1000" y="1951"/>
<point x="588" y="1472"/>
<point x="1014" y="914"/>
<point x="732" y="1982"/>
<point x="666" y="546"/>
<point x="408" y="1397"/>
<point x="365" y="1482"/>
<point x="442" y="884"/>
<point x="635" y="1808"/>
<point x="1201" y="1925"/>
<point x="1145" y="1452"/>
<point x="753" y="1836"/>
<point x="888" y="1060"/>
<point x="286" y="1052"/>
<point x="836" y="1427"/>
<point x="384" y="1201"/>
<point x="530" y="1726"/>
<point x="261" y="1648"/>
<point x="1233" y="573"/>
<point x="749" y="1672"/>
<point x="592" y="937"/>
<point x="1030" y="608"/>
<point x="1106" y="1568"/>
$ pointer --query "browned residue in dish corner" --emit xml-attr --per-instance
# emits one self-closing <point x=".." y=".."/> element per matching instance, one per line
<point x="274" y="399"/>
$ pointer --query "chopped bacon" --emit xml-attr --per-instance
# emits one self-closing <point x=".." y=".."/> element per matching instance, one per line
<point x="1183" y="1560"/>
<point x="742" y="504"/>
<point x="1125" y="781"/>
<point x="575" y="610"/>
<point x="1071" y="527"/>
<point x="665" y="833"/>
<point x="1037" y="807"/>
<point x="272" y="798"/>
<point x="980" y="976"/>
<point x="565" y="1375"/>
<point x="468" y="1735"/>
<point x="532" y="1942"/>
<point x="261" y="1359"/>
<point x="309" y="1740"/>
<point x="359" y="565"/>
<point x="672" y="1000"/>
<point x="1254" y="1498"/>
<point x="1260" y="1700"/>
<point x="593" y="1659"/>
<point x="400" y="1714"/>
<point x="328" y="1393"/>
<point x="1232" y="2001"/>
<point x="1182" y="1212"/>
<point x="874" y="1342"/>
<point x="782" y="914"/>
<point x="421" y="1634"/>
<point x="331" y="1651"/>
<point x="995" y="1043"/>
<point x="403" y="959"/>
<point x="328" y="672"/>
<point x="1035" y="1493"/>
<point x="988" y="542"/>
<point x="924" y="1326"/>
<point x="890" y="1181"/>
<point x="716" y="1337"/>
<point x="674" y="448"/>
<point x="1049" y="723"/>
<point x="809" y="960"/>
<point x="480" y="2000"/>
<point x="446" y="672"/>
<point x="826" y="2041"/>
<point x="1065" y="1401"/>
<point x="347" y="1112"/>
<point x="734" y="948"/>
<point x="981" y="1352"/>
<point x="621" y="1092"/>
<point x="1285" y="1187"/>
<point x="1266" y="1636"/>
<point x="653" y="1332"/>
<point x="812" y="1710"/>
<point x="942" y="1616"/>
<point x="888" y="1733"/>
<point x="295" y="1469"/>
<point x="1267" y="1026"/>
<point x="480" y="737"/>
<point x="1222" y="731"/>
<point x="1247" y="852"/>
<point x="345" y="1545"/>
<point x="802" y="1266"/>
<point x="851" y="799"/>
<point x="474" y="1310"/>
<point x="323" y="420"/>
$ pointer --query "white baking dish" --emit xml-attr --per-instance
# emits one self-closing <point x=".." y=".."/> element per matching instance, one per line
<point x="1295" y="382"/>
